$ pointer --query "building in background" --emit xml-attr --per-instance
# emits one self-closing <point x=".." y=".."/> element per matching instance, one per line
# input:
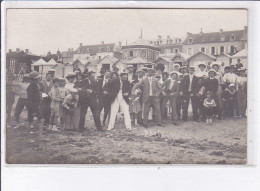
<point x="20" y="60"/>
<point x="67" y="56"/>
<point x="42" y="66"/>
<point x="98" y="52"/>
<point x="201" y="57"/>
<point x="168" y="44"/>
<point x="141" y="52"/>
<point x="216" y="43"/>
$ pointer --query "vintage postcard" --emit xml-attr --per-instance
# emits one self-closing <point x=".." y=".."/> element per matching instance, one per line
<point x="126" y="86"/>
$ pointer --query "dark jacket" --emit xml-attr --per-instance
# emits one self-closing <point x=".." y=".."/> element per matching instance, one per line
<point x="113" y="87"/>
<point x="211" y="85"/>
<point x="100" y="87"/>
<point x="185" y="85"/>
<point x="83" y="87"/>
<point x="34" y="95"/>
<point x="174" y="89"/>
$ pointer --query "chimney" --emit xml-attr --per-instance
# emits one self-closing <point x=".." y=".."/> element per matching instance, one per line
<point x="26" y="51"/>
<point x="159" y="37"/>
<point x="201" y="32"/>
<point x="245" y="28"/>
<point x="10" y="50"/>
<point x="102" y="42"/>
<point x="17" y="49"/>
<point x="189" y="34"/>
<point x="221" y="31"/>
<point x="120" y="44"/>
<point x="80" y="44"/>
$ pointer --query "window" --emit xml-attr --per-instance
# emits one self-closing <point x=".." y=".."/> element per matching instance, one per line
<point x="99" y="57"/>
<point x="222" y="50"/>
<point x="108" y="49"/>
<point x="87" y="50"/>
<point x="189" y="51"/>
<point x="213" y="50"/>
<point x="12" y="66"/>
<point x="232" y="37"/>
<point x="202" y="49"/>
<point x="131" y="53"/>
<point x="222" y="38"/>
<point x="101" y="49"/>
<point x="176" y="50"/>
<point x="232" y="49"/>
<point x="190" y="40"/>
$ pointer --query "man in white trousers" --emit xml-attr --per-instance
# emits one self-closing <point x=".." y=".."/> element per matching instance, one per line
<point x="119" y="91"/>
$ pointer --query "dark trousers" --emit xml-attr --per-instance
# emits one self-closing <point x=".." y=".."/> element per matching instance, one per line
<point x="195" y="106"/>
<point x="164" y="100"/>
<point x="172" y="101"/>
<point x="147" y="104"/>
<point x="34" y="110"/>
<point x="106" y="105"/>
<point x="21" y="103"/>
<point x="46" y="110"/>
<point x="93" y="104"/>
<point x="179" y="102"/>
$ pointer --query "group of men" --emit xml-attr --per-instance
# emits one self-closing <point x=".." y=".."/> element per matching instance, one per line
<point x="158" y="91"/>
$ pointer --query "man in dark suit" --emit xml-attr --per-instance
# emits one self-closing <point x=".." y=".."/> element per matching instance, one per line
<point x="45" y="87"/>
<point x="151" y="92"/>
<point x="170" y="93"/>
<point x="189" y="90"/>
<point x="103" y="100"/>
<point x="119" y="91"/>
<point x="87" y="90"/>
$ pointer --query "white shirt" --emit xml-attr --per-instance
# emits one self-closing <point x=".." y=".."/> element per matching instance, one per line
<point x="68" y="87"/>
<point x="171" y="84"/>
<point x="130" y="77"/>
<point x="230" y="77"/>
<point x="191" y="77"/>
<point x="151" y="88"/>
<point x="104" y="81"/>
<point x="48" y="83"/>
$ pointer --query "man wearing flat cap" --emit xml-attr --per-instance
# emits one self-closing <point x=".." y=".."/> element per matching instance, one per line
<point x="189" y="90"/>
<point x="151" y="92"/>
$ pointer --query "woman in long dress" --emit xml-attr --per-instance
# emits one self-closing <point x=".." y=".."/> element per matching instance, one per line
<point x="71" y="110"/>
<point x="217" y="67"/>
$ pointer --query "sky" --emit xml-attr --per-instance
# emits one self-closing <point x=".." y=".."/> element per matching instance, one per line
<point x="43" y="30"/>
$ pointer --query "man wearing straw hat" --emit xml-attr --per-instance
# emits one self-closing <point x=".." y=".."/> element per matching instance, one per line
<point x="151" y="92"/>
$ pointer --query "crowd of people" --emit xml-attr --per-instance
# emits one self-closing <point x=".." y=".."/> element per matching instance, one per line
<point x="203" y="93"/>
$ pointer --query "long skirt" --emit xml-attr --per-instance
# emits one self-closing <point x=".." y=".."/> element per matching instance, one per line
<point x="71" y="121"/>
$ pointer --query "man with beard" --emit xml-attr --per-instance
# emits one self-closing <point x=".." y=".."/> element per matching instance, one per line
<point x="88" y="90"/>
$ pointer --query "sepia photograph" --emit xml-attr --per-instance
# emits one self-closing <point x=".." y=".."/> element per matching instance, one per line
<point x="126" y="86"/>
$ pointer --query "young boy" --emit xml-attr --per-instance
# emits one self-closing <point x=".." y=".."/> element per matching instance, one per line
<point x="209" y="105"/>
<point x="55" y="104"/>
